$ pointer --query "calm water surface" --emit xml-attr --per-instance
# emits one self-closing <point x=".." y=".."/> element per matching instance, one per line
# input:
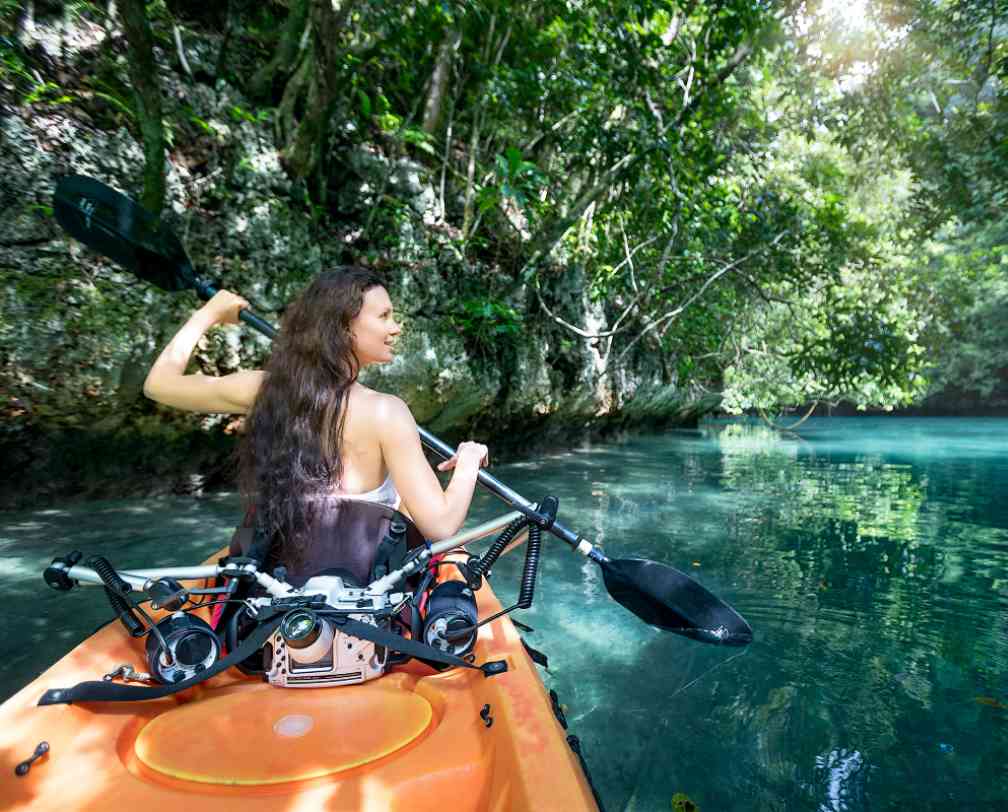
<point x="869" y="554"/>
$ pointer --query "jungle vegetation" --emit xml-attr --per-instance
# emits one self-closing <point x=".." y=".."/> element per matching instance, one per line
<point x="785" y="203"/>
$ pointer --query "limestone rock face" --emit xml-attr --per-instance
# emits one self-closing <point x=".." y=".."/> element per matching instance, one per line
<point x="77" y="334"/>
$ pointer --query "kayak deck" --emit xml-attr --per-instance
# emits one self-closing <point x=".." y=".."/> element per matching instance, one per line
<point x="413" y="739"/>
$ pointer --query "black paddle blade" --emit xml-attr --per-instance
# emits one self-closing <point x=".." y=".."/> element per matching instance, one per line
<point x="671" y="600"/>
<point x="122" y="230"/>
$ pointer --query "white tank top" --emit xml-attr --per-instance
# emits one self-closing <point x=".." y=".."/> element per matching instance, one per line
<point x="384" y="494"/>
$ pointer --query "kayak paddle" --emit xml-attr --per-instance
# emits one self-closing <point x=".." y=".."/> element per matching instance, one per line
<point x="123" y="231"/>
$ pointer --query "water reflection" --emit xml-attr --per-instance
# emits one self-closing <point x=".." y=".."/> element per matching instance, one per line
<point x="870" y="556"/>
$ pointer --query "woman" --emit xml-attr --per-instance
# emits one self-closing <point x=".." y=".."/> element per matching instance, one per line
<point x="313" y="431"/>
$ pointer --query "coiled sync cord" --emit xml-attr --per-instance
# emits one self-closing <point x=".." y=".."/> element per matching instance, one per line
<point x="527" y="589"/>
<point x="482" y="565"/>
<point x="479" y="567"/>
<point x="116" y="589"/>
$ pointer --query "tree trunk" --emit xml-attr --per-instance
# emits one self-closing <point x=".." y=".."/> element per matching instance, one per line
<point x="291" y="104"/>
<point x="147" y="93"/>
<point x="24" y="28"/>
<point x="305" y="152"/>
<point x="470" y="195"/>
<point x="478" y="119"/>
<point x="439" y="80"/>
<point x="230" y="24"/>
<point x="268" y="81"/>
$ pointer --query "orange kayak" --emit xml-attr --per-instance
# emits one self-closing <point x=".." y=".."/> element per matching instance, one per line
<point x="413" y="739"/>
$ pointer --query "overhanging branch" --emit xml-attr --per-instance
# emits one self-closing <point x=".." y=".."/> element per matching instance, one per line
<point x="675" y="313"/>
<point x="555" y="233"/>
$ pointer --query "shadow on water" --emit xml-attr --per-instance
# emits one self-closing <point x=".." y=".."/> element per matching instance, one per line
<point x="870" y="556"/>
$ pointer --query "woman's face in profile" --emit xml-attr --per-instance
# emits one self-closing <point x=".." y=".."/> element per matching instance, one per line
<point x="374" y="329"/>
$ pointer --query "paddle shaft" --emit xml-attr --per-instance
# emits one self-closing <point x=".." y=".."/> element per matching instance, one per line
<point x="445" y="451"/>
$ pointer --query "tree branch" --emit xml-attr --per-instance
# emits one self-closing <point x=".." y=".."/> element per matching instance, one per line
<point x="147" y="92"/>
<point x="177" y="34"/>
<point x="555" y="233"/>
<point x="585" y="333"/>
<point x="672" y="314"/>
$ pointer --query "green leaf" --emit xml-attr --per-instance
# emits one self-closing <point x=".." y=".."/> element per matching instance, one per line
<point x="365" y="103"/>
<point x="419" y="139"/>
<point x="514" y="160"/>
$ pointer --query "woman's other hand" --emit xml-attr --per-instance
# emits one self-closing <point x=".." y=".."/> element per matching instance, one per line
<point x="225" y="306"/>
<point x="476" y="453"/>
<point x="438" y="513"/>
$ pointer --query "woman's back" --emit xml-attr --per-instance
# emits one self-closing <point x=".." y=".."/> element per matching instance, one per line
<point x="364" y="466"/>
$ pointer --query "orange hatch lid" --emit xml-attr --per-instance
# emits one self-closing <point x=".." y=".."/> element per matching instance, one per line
<point x="290" y="735"/>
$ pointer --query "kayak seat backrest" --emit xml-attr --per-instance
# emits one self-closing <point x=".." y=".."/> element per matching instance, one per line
<point x="345" y="536"/>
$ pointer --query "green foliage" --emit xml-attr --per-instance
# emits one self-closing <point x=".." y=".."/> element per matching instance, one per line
<point x="114" y="92"/>
<point x="365" y="103"/>
<point x="518" y="179"/>
<point x="31" y="87"/>
<point x="13" y="71"/>
<point x="966" y="276"/>
<point x="761" y="204"/>
<point x="9" y="11"/>
<point x="240" y="114"/>
<point x="47" y="93"/>
<point x="681" y="802"/>
<point x="418" y="139"/>
<point x="487" y="324"/>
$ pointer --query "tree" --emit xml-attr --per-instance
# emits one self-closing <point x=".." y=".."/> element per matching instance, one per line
<point x="147" y="95"/>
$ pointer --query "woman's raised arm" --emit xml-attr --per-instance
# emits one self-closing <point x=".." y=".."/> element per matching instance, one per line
<point x="167" y="382"/>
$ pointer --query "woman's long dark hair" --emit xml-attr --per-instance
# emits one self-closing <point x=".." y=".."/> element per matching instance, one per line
<point x="291" y="450"/>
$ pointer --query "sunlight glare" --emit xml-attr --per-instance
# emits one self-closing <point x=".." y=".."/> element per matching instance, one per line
<point x="852" y="15"/>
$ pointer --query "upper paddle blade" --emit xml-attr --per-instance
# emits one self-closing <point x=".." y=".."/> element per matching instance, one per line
<point x="122" y="230"/>
<point x="671" y="600"/>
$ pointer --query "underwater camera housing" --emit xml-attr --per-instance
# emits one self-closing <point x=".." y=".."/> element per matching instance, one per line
<point x="308" y="650"/>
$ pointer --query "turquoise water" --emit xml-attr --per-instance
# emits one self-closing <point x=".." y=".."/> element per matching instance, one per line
<point x="870" y="556"/>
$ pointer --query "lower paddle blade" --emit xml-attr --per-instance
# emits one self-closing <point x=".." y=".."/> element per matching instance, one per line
<point x="122" y="230"/>
<point x="671" y="600"/>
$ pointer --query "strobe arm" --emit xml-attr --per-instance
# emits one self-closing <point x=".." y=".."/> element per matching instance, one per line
<point x="64" y="573"/>
<point x="420" y="561"/>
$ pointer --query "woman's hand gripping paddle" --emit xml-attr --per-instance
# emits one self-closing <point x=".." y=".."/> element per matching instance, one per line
<point x="121" y="230"/>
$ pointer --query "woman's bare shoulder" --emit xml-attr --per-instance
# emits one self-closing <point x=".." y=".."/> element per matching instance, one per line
<point x="385" y="414"/>
<point x="388" y="407"/>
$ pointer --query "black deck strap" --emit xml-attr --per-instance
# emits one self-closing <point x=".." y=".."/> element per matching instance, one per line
<point x="108" y="691"/>
<point x="414" y="648"/>
<point x="537" y="656"/>
<point x="390" y="555"/>
<point x="558" y="709"/>
<point x="575" y="745"/>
